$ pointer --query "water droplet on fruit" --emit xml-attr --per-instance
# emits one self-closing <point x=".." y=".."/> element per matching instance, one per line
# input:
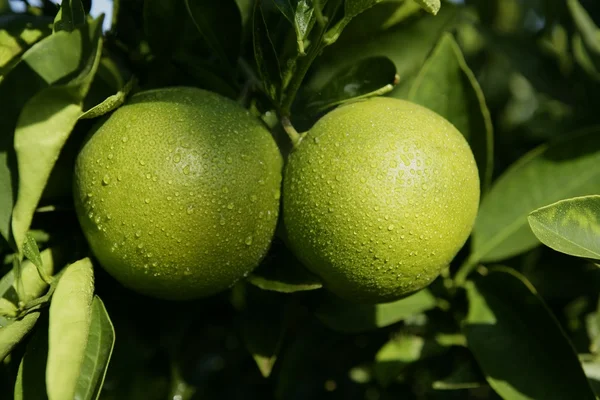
<point x="106" y="180"/>
<point x="248" y="240"/>
<point x="186" y="170"/>
<point x="230" y="206"/>
<point x="390" y="227"/>
<point x="190" y="209"/>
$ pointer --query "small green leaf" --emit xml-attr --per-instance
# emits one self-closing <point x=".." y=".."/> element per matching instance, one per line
<point x="31" y="251"/>
<point x="220" y="24"/>
<point x="562" y="169"/>
<point x="431" y="6"/>
<point x="98" y="351"/>
<point x="33" y="284"/>
<point x="343" y="316"/>
<point x="30" y="383"/>
<point x="265" y="55"/>
<point x="367" y="78"/>
<point x="447" y="86"/>
<point x="303" y="23"/>
<point x="13" y="333"/>
<point x="508" y="320"/>
<point x="571" y="226"/>
<point x="69" y="329"/>
<point x="110" y="103"/>
<point x="70" y="16"/>
<point x="46" y="121"/>
<point x="400" y="352"/>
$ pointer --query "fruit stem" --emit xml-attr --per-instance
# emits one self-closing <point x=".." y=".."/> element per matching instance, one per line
<point x="295" y="137"/>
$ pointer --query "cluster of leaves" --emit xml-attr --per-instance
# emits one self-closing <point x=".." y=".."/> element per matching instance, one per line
<point x="508" y="319"/>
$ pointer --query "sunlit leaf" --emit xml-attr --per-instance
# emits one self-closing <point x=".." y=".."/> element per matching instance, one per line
<point x="70" y="16"/>
<point x="555" y="171"/>
<point x="46" y="121"/>
<point x="15" y="331"/>
<point x="571" y="226"/>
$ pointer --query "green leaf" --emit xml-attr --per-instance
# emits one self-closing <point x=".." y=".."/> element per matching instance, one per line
<point x="583" y="58"/>
<point x="518" y="343"/>
<point x="70" y="16"/>
<point x="400" y="352"/>
<point x="69" y="329"/>
<point x="343" y="316"/>
<point x="551" y="172"/>
<point x="18" y="35"/>
<point x="368" y="77"/>
<point x="13" y="333"/>
<point x="417" y="39"/>
<point x="590" y="34"/>
<point x="30" y="383"/>
<point x="286" y="9"/>
<point x="571" y="226"/>
<point x="47" y="119"/>
<point x="431" y="6"/>
<point x="220" y="24"/>
<point x="465" y="375"/>
<point x="263" y="329"/>
<point x="304" y="21"/>
<point x="110" y="103"/>
<point x="447" y="86"/>
<point x="352" y="8"/>
<point x="98" y="351"/>
<point x="31" y="251"/>
<point x="265" y="55"/>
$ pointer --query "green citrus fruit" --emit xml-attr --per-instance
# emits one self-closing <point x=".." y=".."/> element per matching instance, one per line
<point x="178" y="192"/>
<point x="379" y="197"/>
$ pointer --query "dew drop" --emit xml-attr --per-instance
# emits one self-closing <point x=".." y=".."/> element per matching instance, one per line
<point x="106" y="180"/>
<point x="190" y="209"/>
<point x="248" y="241"/>
<point x="390" y="227"/>
<point x="230" y="206"/>
<point x="147" y="201"/>
<point x="186" y="170"/>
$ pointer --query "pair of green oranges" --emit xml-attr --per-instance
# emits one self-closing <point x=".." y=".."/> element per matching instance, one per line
<point x="178" y="193"/>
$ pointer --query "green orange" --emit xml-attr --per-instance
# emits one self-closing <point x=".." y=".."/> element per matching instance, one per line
<point x="379" y="197"/>
<point x="177" y="192"/>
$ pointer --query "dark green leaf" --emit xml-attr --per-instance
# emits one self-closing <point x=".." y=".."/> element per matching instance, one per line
<point x="163" y="22"/>
<point x="31" y="377"/>
<point x="551" y="172"/>
<point x="417" y="39"/>
<point x="13" y="333"/>
<point x="286" y="9"/>
<point x="220" y="23"/>
<point x="368" y="77"/>
<point x="70" y="16"/>
<point x="571" y="226"/>
<point x="98" y="351"/>
<point x="343" y="316"/>
<point x="352" y="8"/>
<point x="46" y="121"/>
<point x="265" y="55"/>
<point x="583" y="58"/>
<point x="447" y="86"/>
<point x="400" y="352"/>
<point x="508" y="320"/>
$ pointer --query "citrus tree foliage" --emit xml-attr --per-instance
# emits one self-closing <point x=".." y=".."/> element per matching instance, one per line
<point x="515" y="315"/>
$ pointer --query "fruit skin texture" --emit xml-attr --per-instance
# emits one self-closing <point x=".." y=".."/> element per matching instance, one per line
<point x="379" y="197"/>
<point x="178" y="193"/>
